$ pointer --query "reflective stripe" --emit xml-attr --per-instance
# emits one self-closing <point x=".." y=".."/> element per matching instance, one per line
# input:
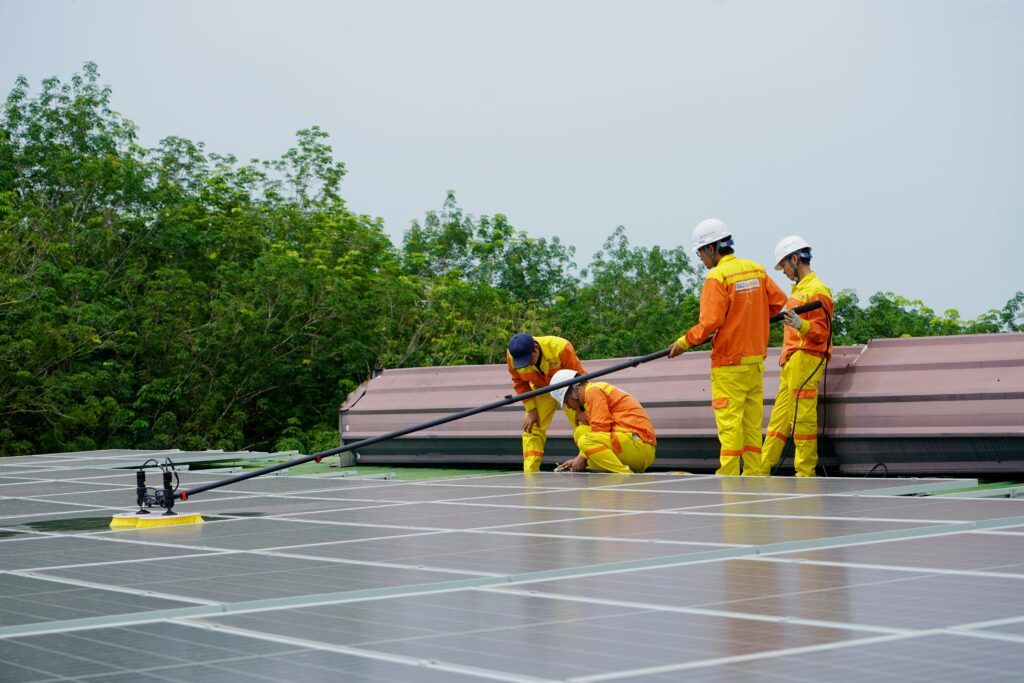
<point x="533" y="454"/>
<point x="805" y="437"/>
<point x="734" y="276"/>
<point x="719" y="403"/>
<point x="729" y="454"/>
<point x="751" y="449"/>
<point x="806" y="393"/>
<point x="595" y="450"/>
<point x="776" y="435"/>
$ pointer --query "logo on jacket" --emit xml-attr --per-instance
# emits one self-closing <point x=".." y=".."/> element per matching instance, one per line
<point x="744" y="285"/>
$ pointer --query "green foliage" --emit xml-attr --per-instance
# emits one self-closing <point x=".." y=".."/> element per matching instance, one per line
<point x="635" y="300"/>
<point x="174" y="297"/>
<point x="171" y="297"/>
<point x="890" y="315"/>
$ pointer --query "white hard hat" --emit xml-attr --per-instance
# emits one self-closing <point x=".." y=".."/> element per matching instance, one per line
<point x="789" y="245"/>
<point x="709" y="231"/>
<point x="561" y="376"/>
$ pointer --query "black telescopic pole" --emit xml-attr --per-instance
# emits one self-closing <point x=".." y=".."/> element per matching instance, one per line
<point x="806" y="308"/>
<point x="508" y="400"/>
<point x="425" y="425"/>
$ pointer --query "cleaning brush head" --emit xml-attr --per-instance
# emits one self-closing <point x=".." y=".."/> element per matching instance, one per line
<point x="136" y="521"/>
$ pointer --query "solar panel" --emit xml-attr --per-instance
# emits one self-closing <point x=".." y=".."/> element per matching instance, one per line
<point x="508" y="577"/>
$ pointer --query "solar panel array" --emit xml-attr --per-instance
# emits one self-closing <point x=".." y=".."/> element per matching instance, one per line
<point x="509" y="577"/>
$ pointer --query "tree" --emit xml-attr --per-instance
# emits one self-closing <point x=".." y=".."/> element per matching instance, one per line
<point x="634" y="300"/>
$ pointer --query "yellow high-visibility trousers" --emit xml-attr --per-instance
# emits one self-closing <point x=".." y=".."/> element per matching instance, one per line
<point x="801" y="370"/>
<point x="737" y="397"/>
<point x="625" y="455"/>
<point x="534" y="440"/>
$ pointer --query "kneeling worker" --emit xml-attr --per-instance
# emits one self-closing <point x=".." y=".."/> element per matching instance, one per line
<point x="806" y="348"/>
<point x="532" y="362"/>
<point x="613" y="432"/>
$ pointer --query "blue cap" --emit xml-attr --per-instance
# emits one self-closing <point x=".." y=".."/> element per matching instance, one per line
<point x="520" y="347"/>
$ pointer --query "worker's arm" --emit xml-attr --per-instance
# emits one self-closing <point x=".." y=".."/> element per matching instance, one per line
<point x="776" y="297"/>
<point x="714" y="304"/>
<point x="599" y="412"/>
<point x="816" y="324"/>
<point x="520" y="385"/>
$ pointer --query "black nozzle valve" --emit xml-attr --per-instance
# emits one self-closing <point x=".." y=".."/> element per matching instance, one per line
<point x="140" y="491"/>
<point x="168" y="497"/>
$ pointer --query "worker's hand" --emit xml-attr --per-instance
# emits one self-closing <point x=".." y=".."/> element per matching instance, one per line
<point x="675" y="350"/>
<point x="792" y="319"/>
<point x="531" y="421"/>
<point x="577" y="464"/>
<point x="581" y="417"/>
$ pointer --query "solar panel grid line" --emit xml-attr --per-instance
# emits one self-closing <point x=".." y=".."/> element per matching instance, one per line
<point x="494" y="527"/>
<point x="105" y="563"/>
<point x="118" y="475"/>
<point x="987" y="635"/>
<point x="961" y="528"/>
<point x="105" y="621"/>
<point x="9" y="519"/>
<point x="359" y="540"/>
<point x="991" y="623"/>
<point x="137" y="672"/>
<point x="743" y="551"/>
<point x="584" y="508"/>
<point x="369" y="654"/>
<point x="294" y="515"/>
<point x="492" y="629"/>
<point x="701" y="611"/>
<point x="620" y="539"/>
<point x="824" y="518"/>
<point x="736" y="606"/>
<point x="40" y="499"/>
<point x="47" y="497"/>
<point x="370" y="563"/>
<point x="25" y="534"/>
<point x="110" y="536"/>
<point x="43" y="576"/>
<point x="720" y="661"/>
<point x="890" y="567"/>
<point x="208" y="547"/>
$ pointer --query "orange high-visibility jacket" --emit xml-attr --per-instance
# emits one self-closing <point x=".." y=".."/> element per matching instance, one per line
<point x="609" y="407"/>
<point x="813" y="335"/>
<point x="737" y="299"/>
<point x="555" y="354"/>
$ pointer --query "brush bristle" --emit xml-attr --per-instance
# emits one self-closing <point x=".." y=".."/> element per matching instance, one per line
<point x="148" y="522"/>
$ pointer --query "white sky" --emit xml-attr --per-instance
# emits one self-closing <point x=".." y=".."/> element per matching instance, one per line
<point x="886" y="132"/>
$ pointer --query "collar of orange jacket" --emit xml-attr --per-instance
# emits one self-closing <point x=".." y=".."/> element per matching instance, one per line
<point x="805" y="281"/>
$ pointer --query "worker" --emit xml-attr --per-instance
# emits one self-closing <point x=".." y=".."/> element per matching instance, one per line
<point x="532" y="361"/>
<point x="736" y="301"/>
<point x="613" y="432"/>
<point x="806" y="348"/>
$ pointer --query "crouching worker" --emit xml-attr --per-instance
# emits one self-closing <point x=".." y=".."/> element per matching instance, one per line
<point x="613" y="432"/>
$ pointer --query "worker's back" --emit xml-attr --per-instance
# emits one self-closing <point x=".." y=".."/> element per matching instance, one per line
<point x="743" y="297"/>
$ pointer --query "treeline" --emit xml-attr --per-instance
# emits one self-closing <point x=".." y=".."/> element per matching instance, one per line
<point x="176" y="297"/>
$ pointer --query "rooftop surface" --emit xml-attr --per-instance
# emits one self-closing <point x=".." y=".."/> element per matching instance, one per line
<point x="510" y="577"/>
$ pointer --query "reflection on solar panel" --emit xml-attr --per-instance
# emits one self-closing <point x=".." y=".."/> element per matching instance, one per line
<point x="509" y="578"/>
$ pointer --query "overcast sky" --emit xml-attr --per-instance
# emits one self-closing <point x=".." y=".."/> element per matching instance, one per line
<point x="887" y="133"/>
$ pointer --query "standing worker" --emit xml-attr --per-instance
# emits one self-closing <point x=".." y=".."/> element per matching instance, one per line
<point x="532" y="361"/>
<point x="613" y="431"/>
<point x="736" y="301"/>
<point x="806" y="348"/>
